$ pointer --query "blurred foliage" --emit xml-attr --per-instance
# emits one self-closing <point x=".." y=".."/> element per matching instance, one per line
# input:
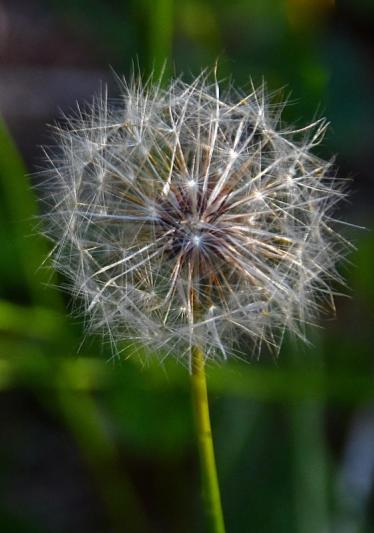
<point x="279" y="461"/>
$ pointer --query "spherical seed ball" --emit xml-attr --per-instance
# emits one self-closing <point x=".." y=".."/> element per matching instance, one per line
<point x="186" y="217"/>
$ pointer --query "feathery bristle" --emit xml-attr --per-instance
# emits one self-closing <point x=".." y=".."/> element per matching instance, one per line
<point x="184" y="217"/>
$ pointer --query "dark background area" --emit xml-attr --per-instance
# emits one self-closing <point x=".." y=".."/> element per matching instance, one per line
<point x="94" y="445"/>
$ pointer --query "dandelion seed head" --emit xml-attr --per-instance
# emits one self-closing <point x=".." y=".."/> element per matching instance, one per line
<point x="187" y="216"/>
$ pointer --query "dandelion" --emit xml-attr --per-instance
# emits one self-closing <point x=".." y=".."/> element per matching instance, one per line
<point x="190" y="220"/>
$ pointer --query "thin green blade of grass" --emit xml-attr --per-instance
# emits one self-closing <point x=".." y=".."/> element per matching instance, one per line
<point x="160" y="35"/>
<point x="83" y="418"/>
<point x="21" y="210"/>
<point x="262" y="384"/>
<point x="308" y="444"/>
<point x="310" y="466"/>
<point x="37" y="323"/>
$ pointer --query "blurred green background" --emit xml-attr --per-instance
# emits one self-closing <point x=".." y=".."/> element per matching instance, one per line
<point x="92" y="445"/>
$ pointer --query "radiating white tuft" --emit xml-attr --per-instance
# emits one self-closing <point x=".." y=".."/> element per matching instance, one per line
<point x="186" y="217"/>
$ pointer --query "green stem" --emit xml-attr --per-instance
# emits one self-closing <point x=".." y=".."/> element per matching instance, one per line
<point x="160" y="35"/>
<point x="211" y="491"/>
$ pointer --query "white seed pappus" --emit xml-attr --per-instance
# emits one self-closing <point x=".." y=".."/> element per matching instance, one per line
<point x="188" y="216"/>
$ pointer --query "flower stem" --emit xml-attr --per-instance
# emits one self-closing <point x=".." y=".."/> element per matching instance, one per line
<point x="210" y="485"/>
